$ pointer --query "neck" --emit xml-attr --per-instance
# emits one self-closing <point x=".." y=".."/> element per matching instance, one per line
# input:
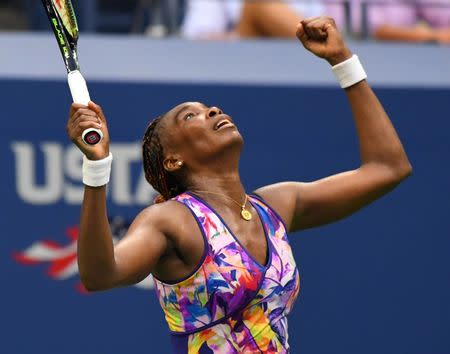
<point x="221" y="187"/>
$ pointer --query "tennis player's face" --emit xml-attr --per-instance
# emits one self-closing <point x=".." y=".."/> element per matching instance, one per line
<point x="200" y="133"/>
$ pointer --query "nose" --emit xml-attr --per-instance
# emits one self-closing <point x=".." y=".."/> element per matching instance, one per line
<point x="213" y="111"/>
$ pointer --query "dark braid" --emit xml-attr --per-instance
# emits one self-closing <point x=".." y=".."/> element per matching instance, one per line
<point x="167" y="184"/>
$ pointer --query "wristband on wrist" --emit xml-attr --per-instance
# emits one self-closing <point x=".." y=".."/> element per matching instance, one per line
<point x="349" y="72"/>
<point x="96" y="173"/>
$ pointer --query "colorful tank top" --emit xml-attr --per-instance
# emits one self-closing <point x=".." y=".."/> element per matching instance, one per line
<point x="231" y="303"/>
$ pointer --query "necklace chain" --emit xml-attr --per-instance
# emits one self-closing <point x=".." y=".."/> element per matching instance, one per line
<point x="224" y="195"/>
<point x="245" y="213"/>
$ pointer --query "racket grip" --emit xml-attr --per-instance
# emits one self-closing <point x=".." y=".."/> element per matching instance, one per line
<point x="80" y="94"/>
<point x="78" y="87"/>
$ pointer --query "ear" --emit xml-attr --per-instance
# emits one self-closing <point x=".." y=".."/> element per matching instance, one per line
<point x="173" y="163"/>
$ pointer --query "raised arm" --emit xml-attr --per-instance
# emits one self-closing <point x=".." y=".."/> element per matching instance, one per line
<point x="384" y="163"/>
<point x="103" y="266"/>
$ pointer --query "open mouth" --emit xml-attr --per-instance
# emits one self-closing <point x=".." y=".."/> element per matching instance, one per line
<point x="222" y="123"/>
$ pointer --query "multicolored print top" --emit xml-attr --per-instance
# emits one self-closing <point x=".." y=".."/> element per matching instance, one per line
<point x="231" y="303"/>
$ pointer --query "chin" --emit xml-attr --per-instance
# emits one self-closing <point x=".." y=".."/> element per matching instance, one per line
<point x="231" y="142"/>
<point x="236" y="137"/>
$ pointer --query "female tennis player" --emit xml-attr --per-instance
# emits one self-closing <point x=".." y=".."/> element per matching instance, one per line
<point x="223" y="268"/>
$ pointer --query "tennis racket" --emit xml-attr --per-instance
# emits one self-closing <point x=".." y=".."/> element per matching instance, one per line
<point x="64" y="25"/>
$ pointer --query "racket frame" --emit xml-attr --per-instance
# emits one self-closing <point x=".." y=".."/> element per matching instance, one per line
<point x="68" y="47"/>
<point x="66" y="43"/>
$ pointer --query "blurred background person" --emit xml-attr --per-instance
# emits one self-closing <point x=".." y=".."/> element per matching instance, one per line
<point x="275" y="18"/>
<point x="396" y="20"/>
<point x="221" y="19"/>
<point x="391" y="20"/>
<point x="420" y="21"/>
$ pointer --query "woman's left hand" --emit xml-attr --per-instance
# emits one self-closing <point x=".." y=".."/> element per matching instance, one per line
<point x="321" y="37"/>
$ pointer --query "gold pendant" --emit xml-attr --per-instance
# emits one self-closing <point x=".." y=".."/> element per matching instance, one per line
<point x="246" y="215"/>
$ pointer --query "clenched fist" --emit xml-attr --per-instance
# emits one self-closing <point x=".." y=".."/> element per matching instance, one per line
<point x="321" y="37"/>
<point x="81" y="118"/>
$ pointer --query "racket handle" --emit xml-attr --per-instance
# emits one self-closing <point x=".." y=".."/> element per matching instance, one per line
<point x="80" y="94"/>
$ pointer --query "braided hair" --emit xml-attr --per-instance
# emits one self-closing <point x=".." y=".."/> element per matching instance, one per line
<point x="166" y="183"/>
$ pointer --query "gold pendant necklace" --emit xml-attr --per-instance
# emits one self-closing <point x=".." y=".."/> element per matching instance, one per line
<point x="245" y="213"/>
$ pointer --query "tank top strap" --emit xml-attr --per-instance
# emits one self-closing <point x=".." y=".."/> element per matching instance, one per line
<point x="213" y="228"/>
<point x="270" y="217"/>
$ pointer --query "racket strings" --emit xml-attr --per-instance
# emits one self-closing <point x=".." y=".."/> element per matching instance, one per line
<point x="67" y="16"/>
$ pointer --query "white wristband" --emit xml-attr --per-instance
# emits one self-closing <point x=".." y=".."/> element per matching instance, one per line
<point x="96" y="173"/>
<point x="349" y="72"/>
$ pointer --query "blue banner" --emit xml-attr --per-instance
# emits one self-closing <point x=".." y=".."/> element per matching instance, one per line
<point x="375" y="283"/>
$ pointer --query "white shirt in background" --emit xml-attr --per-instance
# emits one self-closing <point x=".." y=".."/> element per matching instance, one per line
<point x="209" y="17"/>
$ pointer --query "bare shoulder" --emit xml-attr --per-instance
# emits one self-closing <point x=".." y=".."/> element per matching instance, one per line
<point x="282" y="197"/>
<point x="152" y="242"/>
<point x="171" y="230"/>
<point x="158" y="228"/>
<point x="165" y="218"/>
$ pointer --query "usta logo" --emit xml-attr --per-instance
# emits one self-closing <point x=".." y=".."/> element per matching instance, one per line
<point x="48" y="172"/>
<point x="62" y="259"/>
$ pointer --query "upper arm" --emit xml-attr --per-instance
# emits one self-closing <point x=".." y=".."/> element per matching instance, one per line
<point x="306" y="205"/>
<point x="270" y="18"/>
<point x="141" y="248"/>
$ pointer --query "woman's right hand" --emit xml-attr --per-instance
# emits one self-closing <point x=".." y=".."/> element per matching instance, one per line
<point x="82" y="118"/>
